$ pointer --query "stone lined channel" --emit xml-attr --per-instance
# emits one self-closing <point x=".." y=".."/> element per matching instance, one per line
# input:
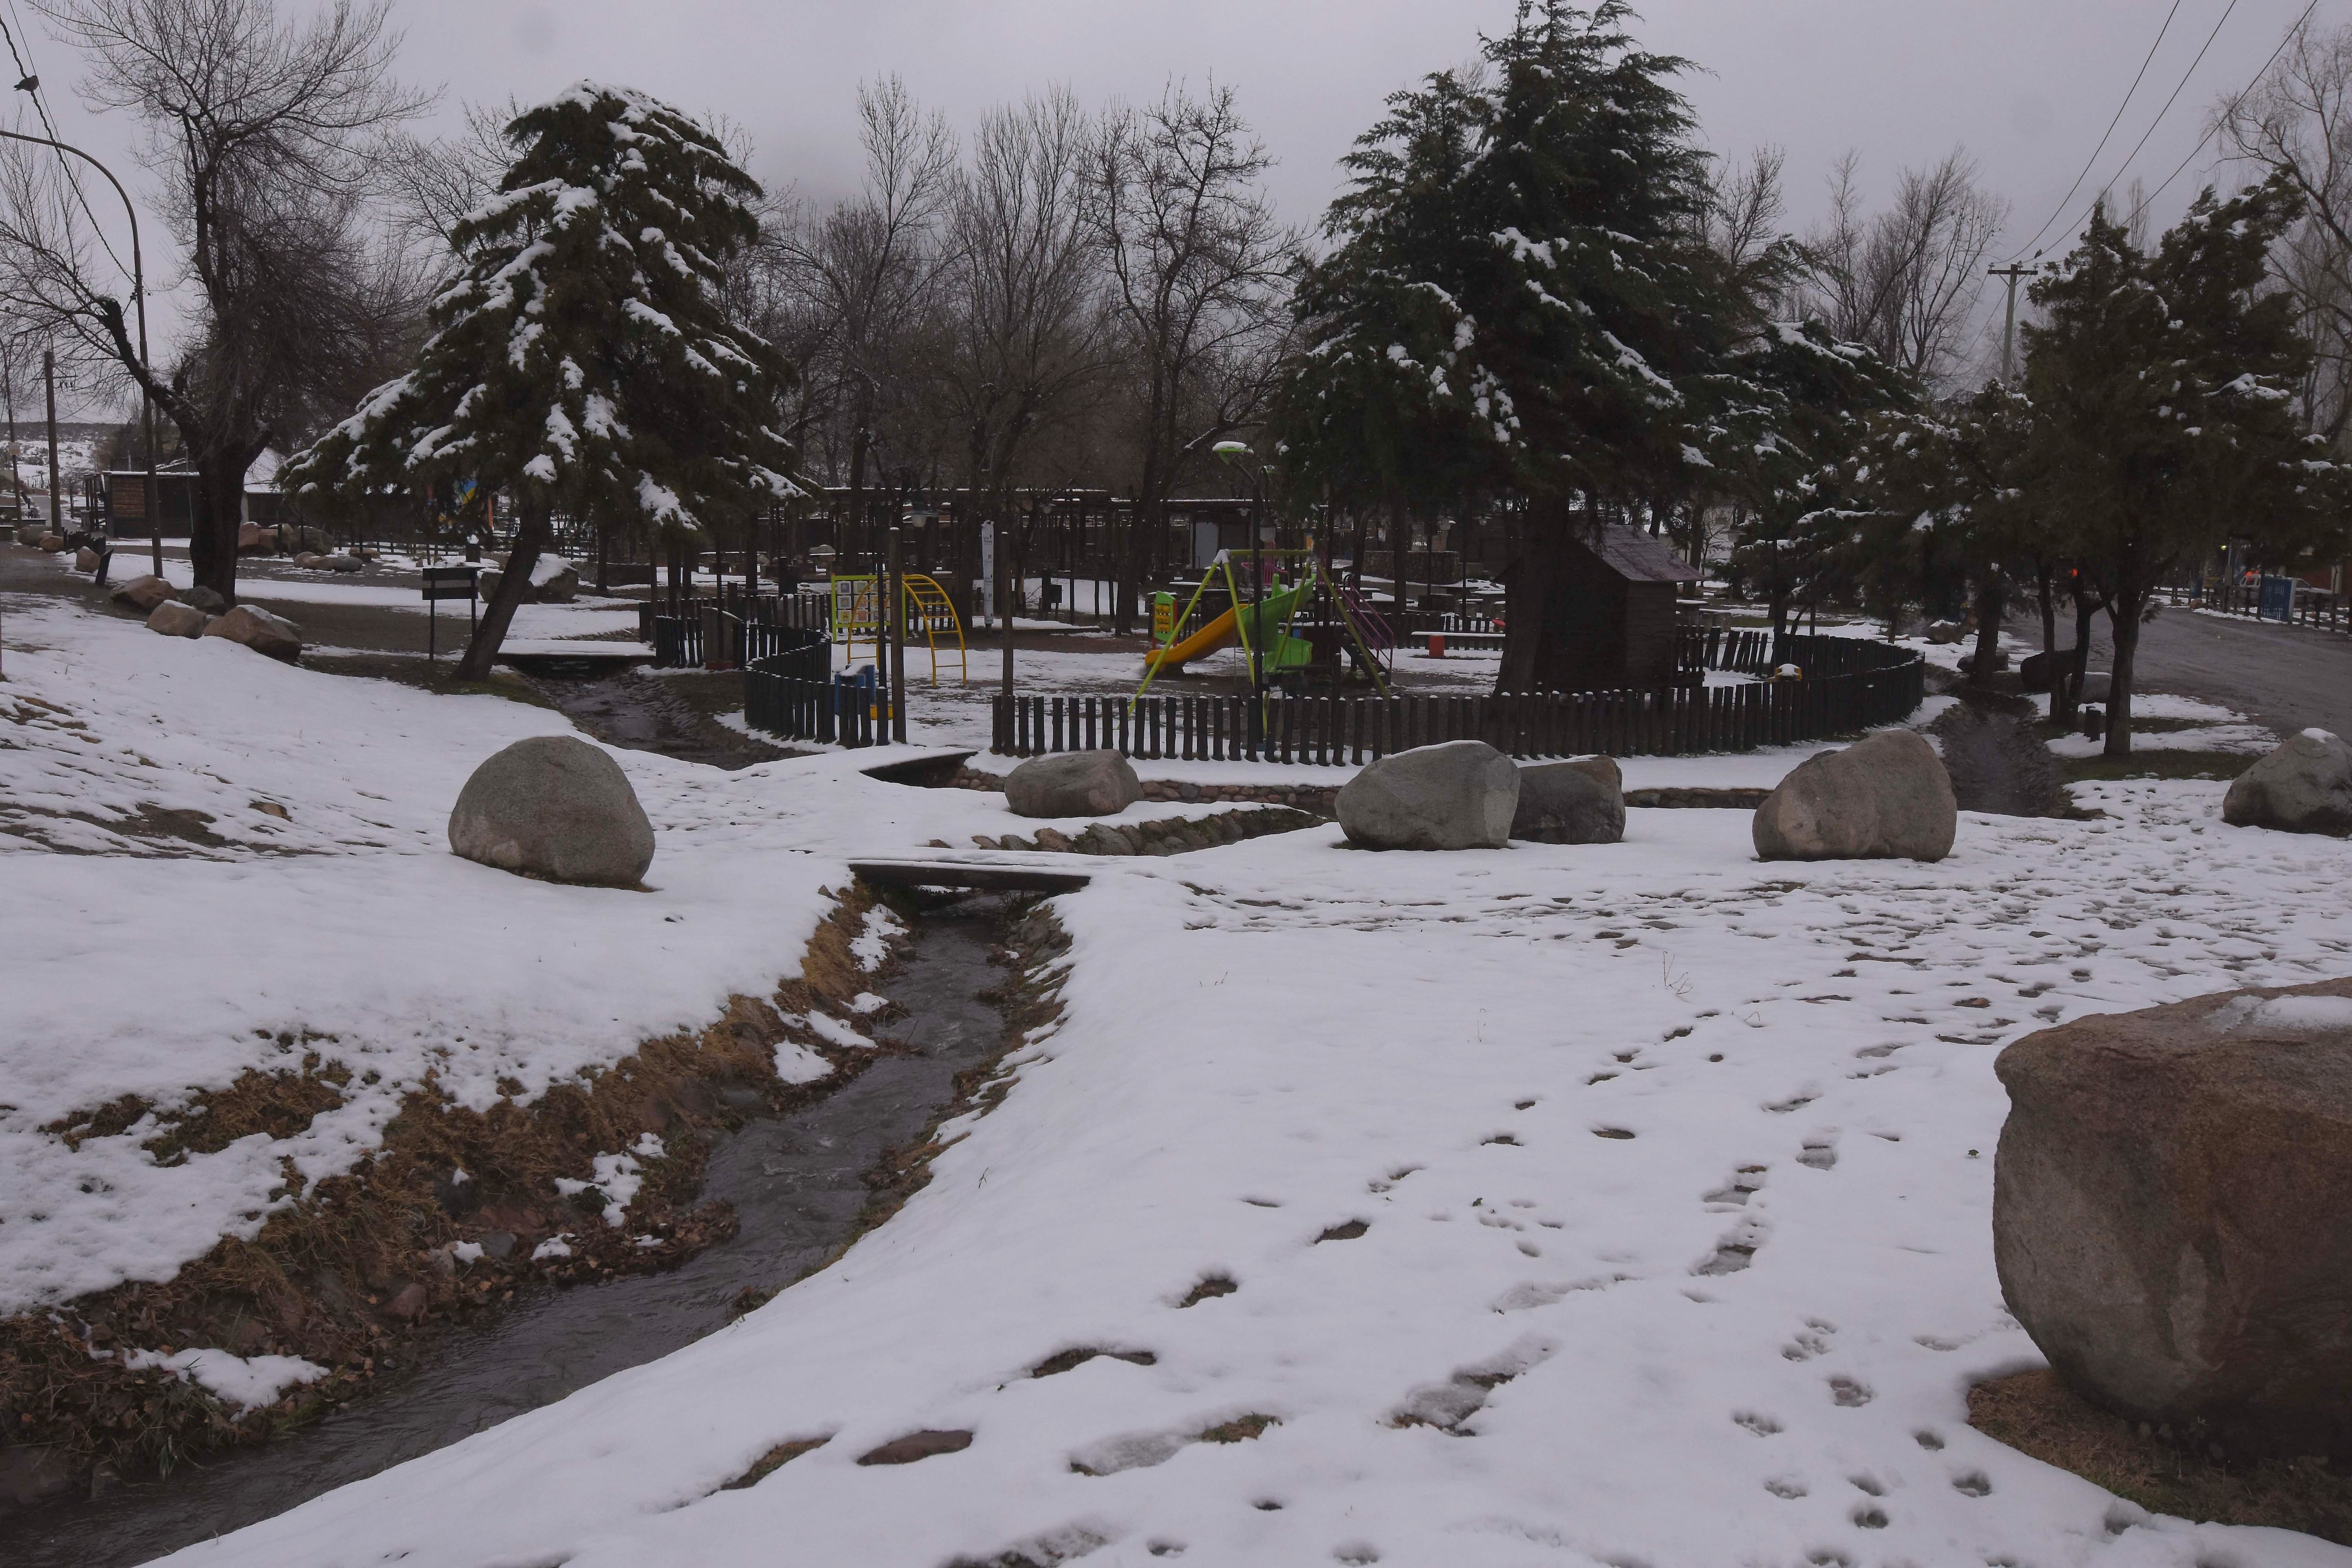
<point x="797" y="1183"/>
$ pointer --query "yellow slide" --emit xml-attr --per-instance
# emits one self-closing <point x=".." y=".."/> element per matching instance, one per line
<point x="1205" y="641"/>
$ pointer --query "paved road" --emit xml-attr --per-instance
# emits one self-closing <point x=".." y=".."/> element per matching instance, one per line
<point x="2288" y="678"/>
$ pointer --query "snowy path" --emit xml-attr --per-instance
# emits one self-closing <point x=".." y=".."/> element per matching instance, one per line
<point x="1674" y="1248"/>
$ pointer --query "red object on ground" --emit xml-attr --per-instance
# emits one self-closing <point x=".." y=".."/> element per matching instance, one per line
<point x="1437" y="645"/>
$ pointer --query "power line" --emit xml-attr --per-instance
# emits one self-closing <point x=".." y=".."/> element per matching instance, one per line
<point x="2284" y="39"/>
<point x="2169" y="102"/>
<point x="2110" y="130"/>
<point x="24" y="73"/>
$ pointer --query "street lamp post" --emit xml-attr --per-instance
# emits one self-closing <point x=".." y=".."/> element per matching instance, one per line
<point x="1237" y="453"/>
<point x="139" y="297"/>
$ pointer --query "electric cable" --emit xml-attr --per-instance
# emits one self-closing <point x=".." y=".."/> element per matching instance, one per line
<point x="2285" y="39"/>
<point x="2145" y="62"/>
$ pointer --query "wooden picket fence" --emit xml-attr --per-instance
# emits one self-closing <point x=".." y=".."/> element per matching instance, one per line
<point x="1848" y="685"/>
<point x="790" y="690"/>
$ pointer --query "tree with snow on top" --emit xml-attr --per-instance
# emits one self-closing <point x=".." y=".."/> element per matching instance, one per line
<point x="582" y="361"/>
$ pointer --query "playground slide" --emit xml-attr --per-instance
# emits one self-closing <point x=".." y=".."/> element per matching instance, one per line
<point x="1205" y="641"/>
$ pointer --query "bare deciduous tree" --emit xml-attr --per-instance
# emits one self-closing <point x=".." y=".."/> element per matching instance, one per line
<point x="857" y="289"/>
<point x="1907" y="281"/>
<point x="1024" y="326"/>
<point x="259" y="132"/>
<point x="2297" y="121"/>
<point x="1196" y="262"/>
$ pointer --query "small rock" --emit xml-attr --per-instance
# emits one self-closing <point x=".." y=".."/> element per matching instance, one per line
<point x="1113" y="841"/>
<point x="1014" y="841"/>
<point x="141" y="593"/>
<point x="1052" y="841"/>
<point x="983" y="841"/>
<point x="410" y="1302"/>
<point x="1074" y="783"/>
<point x="1885" y="797"/>
<point x="253" y="539"/>
<point x="1946" y="631"/>
<point x="87" y="560"/>
<point x="53" y="542"/>
<point x="177" y="620"/>
<point x="259" y="630"/>
<point x="557" y="808"/>
<point x="308" y="560"/>
<point x="1458" y="795"/>
<point x="271" y="808"/>
<point x="30" y="534"/>
<point x="205" y="599"/>
<point x="2098" y="686"/>
<point x="499" y="1244"/>
<point x="2302" y="786"/>
<point x="346" y="563"/>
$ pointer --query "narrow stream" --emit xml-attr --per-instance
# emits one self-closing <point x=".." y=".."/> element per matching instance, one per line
<point x="797" y="1182"/>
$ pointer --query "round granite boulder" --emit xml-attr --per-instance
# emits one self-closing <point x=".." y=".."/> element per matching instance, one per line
<point x="557" y="808"/>
<point x="1461" y="795"/>
<point x="1073" y="784"/>
<point x="2170" y="1219"/>
<point x="1582" y="802"/>
<point x="2302" y="786"/>
<point x="1887" y="797"/>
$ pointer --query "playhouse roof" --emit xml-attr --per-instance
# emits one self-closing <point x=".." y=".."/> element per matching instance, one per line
<point x="1639" y="557"/>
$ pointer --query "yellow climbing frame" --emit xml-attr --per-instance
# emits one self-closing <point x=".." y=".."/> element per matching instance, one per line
<point x="927" y="611"/>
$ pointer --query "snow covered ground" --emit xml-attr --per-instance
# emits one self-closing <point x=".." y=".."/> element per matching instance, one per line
<point x="1616" y="1204"/>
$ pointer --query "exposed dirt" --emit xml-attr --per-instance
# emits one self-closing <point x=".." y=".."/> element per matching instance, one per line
<point x="1995" y="753"/>
<point x="361" y="1274"/>
<point x="2036" y="1414"/>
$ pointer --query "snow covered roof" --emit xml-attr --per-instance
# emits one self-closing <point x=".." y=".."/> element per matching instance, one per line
<point x="1640" y="557"/>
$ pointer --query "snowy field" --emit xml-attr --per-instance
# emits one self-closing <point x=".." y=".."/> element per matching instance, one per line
<point x="1619" y="1204"/>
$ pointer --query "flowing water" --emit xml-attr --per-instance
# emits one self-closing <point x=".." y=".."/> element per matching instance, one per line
<point x="797" y="1185"/>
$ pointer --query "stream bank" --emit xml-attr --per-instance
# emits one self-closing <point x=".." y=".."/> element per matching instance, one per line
<point x="802" y="1187"/>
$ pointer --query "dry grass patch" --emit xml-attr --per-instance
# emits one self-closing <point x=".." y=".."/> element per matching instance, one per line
<point x="360" y="1273"/>
<point x="2036" y="1414"/>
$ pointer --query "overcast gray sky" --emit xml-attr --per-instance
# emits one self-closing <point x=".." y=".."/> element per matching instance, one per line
<point x="2027" y="88"/>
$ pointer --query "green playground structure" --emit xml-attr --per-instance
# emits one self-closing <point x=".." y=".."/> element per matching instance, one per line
<point x="1262" y="626"/>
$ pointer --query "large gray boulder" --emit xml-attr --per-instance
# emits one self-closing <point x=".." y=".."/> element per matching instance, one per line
<point x="1886" y="797"/>
<point x="31" y="533"/>
<point x="2098" y="686"/>
<point x="141" y="593"/>
<point x="2168" y="1214"/>
<point x="174" y="619"/>
<point x="1458" y="796"/>
<point x="555" y="807"/>
<point x="260" y="631"/>
<point x="2304" y="787"/>
<point x="1582" y="802"/>
<point x="1073" y="784"/>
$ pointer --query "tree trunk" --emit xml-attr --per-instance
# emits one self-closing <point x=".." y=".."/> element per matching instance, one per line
<point x="2048" y="599"/>
<point x="1989" y="609"/>
<point x="1550" y="626"/>
<point x="2066" y="690"/>
<point x="2124" y="621"/>
<point x="532" y="534"/>
<point x="218" y="507"/>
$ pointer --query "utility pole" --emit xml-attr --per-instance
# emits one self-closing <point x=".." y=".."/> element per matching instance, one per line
<point x="2012" y="272"/>
<point x="50" y="380"/>
<point x="894" y="615"/>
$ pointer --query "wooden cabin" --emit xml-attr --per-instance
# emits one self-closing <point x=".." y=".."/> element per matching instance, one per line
<point x="1622" y="586"/>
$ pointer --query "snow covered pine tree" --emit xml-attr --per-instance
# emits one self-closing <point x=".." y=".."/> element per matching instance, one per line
<point x="582" y="359"/>
<point x="1521" y="299"/>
